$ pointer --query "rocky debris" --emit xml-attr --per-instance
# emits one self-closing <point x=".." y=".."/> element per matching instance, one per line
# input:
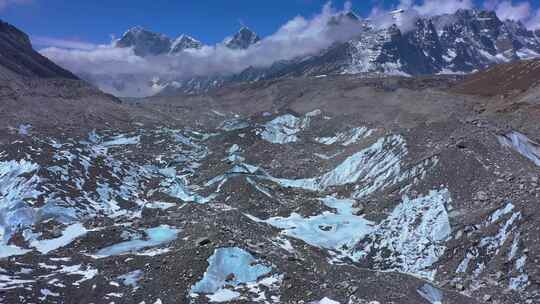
<point x="199" y="205"/>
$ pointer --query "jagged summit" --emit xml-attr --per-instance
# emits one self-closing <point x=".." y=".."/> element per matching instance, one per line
<point x="144" y="42"/>
<point x="458" y="43"/>
<point x="243" y="39"/>
<point x="348" y="16"/>
<point x="184" y="42"/>
<point x="148" y="43"/>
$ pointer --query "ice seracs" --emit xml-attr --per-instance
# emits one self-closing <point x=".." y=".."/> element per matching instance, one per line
<point x="413" y="236"/>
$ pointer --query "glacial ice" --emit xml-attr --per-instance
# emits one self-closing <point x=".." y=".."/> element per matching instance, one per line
<point x="325" y="300"/>
<point x="224" y="262"/>
<point x="522" y="144"/>
<point x="16" y="185"/>
<point x="414" y="234"/>
<point x="337" y="231"/>
<point x="177" y="186"/>
<point x="24" y="129"/>
<point x="121" y="140"/>
<point x="131" y="278"/>
<point x="346" y="138"/>
<point x="156" y="236"/>
<point x="223" y="295"/>
<point x="233" y="125"/>
<point x="87" y="273"/>
<point x="430" y="293"/>
<point x="284" y="129"/>
<point x="68" y="235"/>
<point x="506" y="220"/>
<point x="11" y="250"/>
<point x="379" y="161"/>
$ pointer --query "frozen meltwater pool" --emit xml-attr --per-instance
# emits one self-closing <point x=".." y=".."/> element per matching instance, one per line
<point x="155" y="236"/>
<point x="229" y="266"/>
<point x="339" y="231"/>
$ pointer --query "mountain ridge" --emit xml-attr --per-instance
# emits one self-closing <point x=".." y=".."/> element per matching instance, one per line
<point x="459" y="43"/>
<point x="19" y="59"/>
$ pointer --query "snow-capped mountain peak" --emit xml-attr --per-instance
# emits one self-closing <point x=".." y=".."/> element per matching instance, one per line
<point x="243" y="39"/>
<point x="184" y="42"/>
<point x="144" y="42"/>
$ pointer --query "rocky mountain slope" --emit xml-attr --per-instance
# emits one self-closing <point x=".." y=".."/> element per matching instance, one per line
<point x="34" y="89"/>
<point x="18" y="58"/>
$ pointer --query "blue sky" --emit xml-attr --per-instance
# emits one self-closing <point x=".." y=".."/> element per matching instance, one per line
<point x="210" y="21"/>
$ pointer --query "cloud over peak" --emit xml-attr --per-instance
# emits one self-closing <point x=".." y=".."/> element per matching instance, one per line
<point x="299" y="36"/>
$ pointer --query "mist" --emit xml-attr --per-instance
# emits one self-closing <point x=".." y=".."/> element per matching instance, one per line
<point x="120" y="72"/>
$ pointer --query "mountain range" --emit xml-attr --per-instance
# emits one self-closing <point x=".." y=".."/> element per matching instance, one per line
<point x="147" y="43"/>
<point x="459" y="43"/>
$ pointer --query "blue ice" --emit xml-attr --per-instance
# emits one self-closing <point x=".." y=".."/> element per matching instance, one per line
<point x="339" y="231"/>
<point x="131" y="278"/>
<point x="156" y="236"/>
<point x="16" y="185"/>
<point x="227" y="261"/>
<point x="430" y="293"/>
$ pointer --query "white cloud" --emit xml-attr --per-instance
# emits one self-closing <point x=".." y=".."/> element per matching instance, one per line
<point x="298" y="37"/>
<point x="411" y="10"/>
<point x="508" y="10"/>
<point x="534" y="21"/>
<point x="517" y="11"/>
<point x="438" y="7"/>
<point x="62" y="43"/>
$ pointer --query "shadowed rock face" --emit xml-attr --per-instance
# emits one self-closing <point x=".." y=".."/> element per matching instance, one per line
<point x="18" y="58"/>
<point x="243" y="39"/>
<point x="147" y="43"/>
<point x="144" y="42"/>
